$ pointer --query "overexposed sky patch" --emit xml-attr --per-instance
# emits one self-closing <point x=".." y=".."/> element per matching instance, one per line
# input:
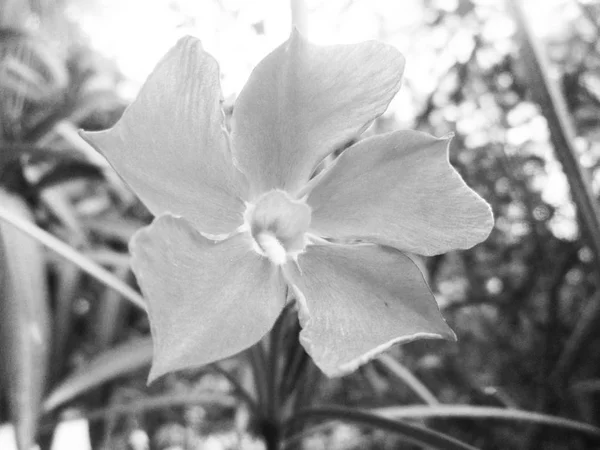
<point x="239" y="33"/>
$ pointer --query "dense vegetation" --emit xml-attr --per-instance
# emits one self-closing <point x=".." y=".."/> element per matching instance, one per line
<point x="525" y="303"/>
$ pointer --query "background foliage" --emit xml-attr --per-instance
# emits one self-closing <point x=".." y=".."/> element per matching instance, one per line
<point x="525" y="304"/>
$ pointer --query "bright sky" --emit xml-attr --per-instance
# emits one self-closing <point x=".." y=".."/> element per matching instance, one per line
<point x="136" y="33"/>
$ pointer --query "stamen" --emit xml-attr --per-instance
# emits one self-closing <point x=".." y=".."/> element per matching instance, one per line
<point x="278" y="224"/>
<point x="272" y="248"/>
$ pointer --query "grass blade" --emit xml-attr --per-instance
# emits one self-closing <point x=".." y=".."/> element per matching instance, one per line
<point x="74" y="256"/>
<point x="403" y="374"/>
<point x="24" y="321"/>
<point x="412" y="433"/>
<point x="68" y="279"/>
<point x="113" y="363"/>
<point x="586" y="386"/>
<point x="144" y="405"/>
<point x="553" y="104"/>
<point x="110" y="313"/>
<point x="485" y="413"/>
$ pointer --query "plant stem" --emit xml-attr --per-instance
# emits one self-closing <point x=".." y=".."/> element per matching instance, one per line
<point x="258" y="363"/>
<point x="239" y="389"/>
<point x="271" y="433"/>
<point x="271" y="425"/>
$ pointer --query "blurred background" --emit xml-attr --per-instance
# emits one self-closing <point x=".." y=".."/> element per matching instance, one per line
<point x="520" y="88"/>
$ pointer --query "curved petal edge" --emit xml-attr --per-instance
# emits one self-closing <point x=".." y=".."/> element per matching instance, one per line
<point x="399" y="189"/>
<point x="207" y="300"/>
<point x="356" y="301"/>
<point x="171" y="147"/>
<point x="303" y="101"/>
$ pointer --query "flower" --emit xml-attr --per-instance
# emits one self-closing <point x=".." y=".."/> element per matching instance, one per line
<point x="239" y="219"/>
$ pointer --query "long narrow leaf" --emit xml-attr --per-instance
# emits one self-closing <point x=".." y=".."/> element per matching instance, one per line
<point x="238" y="387"/>
<point x="70" y="171"/>
<point x="24" y="321"/>
<point x="412" y="433"/>
<point x="67" y="288"/>
<point x="553" y="104"/>
<point x="108" y="257"/>
<point x="111" y="364"/>
<point x="483" y="412"/>
<point x="587" y="386"/>
<point x="110" y="313"/>
<point x="72" y="255"/>
<point x="59" y="204"/>
<point x="403" y="374"/>
<point x="208" y="398"/>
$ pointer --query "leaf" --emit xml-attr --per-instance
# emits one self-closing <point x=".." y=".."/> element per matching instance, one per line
<point x="107" y="257"/>
<point x="67" y="288"/>
<point x="20" y="79"/>
<point x="113" y="227"/>
<point x="92" y="102"/>
<point x="110" y="313"/>
<point x="74" y="256"/>
<point x="70" y="171"/>
<point x="205" y="398"/>
<point x="24" y="321"/>
<point x="11" y="153"/>
<point x="399" y="372"/>
<point x="61" y="207"/>
<point x="586" y="386"/>
<point x="482" y="412"/>
<point x="411" y="433"/>
<point x="118" y="361"/>
<point x="563" y="136"/>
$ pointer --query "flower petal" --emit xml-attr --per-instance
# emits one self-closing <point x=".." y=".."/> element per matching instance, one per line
<point x="360" y="300"/>
<point x="207" y="300"/>
<point x="303" y="101"/>
<point x="399" y="189"/>
<point x="171" y="147"/>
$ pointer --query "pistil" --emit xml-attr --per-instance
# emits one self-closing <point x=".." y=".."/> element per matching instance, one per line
<point x="278" y="224"/>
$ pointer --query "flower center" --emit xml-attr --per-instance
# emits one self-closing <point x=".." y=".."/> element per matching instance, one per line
<point x="278" y="224"/>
